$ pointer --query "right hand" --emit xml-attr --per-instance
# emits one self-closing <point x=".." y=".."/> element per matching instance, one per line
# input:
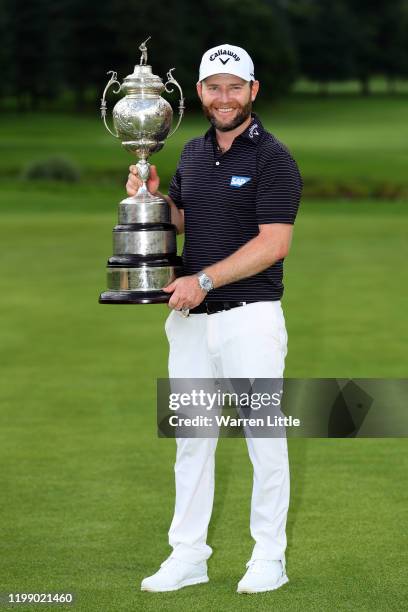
<point x="134" y="182"/>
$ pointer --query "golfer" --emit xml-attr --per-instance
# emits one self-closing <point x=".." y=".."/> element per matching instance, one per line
<point x="235" y="195"/>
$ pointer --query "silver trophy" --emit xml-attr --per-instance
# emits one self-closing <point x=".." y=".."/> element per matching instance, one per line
<point x="144" y="242"/>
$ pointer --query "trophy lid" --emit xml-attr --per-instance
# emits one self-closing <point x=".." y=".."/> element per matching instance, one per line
<point x="142" y="81"/>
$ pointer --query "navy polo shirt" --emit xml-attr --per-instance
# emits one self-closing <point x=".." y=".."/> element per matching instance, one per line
<point x="226" y="196"/>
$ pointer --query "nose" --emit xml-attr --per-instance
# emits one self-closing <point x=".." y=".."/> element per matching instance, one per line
<point x="224" y="96"/>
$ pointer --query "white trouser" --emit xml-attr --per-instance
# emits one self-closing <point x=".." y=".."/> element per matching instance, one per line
<point x="245" y="342"/>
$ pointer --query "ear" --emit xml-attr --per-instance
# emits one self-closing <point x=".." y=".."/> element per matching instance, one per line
<point x="254" y="90"/>
<point x="200" y="90"/>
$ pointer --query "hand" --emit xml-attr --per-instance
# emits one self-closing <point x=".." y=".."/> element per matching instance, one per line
<point x="134" y="182"/>
<point x="187" y="293"/>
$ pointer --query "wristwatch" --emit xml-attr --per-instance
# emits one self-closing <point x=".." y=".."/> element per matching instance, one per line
<point x="205" y="282"/>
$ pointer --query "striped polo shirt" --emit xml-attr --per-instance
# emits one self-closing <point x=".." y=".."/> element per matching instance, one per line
<point x="226" y="196"/>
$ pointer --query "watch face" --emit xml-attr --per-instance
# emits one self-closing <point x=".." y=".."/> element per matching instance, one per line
<point x="205" y="283"/>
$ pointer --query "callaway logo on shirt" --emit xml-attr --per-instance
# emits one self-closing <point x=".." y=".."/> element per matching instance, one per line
<point x="238" y="181"/>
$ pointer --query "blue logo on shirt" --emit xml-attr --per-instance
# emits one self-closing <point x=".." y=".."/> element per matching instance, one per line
<point x="238" y="181"/>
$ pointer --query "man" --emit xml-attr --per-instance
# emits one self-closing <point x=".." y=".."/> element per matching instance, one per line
<point x="235" y="194"/>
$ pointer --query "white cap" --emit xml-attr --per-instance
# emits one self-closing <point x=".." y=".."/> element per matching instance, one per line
<point x="227" y="59"/>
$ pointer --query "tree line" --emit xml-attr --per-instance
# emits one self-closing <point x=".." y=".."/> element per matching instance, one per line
<point x="50" y="47"/>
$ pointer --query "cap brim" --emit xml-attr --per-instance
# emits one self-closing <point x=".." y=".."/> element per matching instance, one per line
<point x="206" y="73"/>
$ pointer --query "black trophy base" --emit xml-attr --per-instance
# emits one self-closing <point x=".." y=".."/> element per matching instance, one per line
<point x="134" y="297"/>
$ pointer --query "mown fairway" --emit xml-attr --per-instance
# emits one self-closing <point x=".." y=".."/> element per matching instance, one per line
<point x="335" y="139"/>
<point x="87" y="488"/>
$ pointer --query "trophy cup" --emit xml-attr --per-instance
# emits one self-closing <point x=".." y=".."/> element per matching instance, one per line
<point x="144" y="242"/>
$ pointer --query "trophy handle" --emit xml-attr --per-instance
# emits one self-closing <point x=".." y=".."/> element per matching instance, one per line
<point x="111" y="81"/>
<point x="171" y="80"/>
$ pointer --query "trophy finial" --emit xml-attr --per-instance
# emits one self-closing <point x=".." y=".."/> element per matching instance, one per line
<point x="143" y="49"/>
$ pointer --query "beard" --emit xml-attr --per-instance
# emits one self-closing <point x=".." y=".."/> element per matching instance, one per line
<point x="242" y="115"/>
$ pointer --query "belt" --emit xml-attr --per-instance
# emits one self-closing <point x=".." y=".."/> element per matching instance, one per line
<point x="213" y="307"/>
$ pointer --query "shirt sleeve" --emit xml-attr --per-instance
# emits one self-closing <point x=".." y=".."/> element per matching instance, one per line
<point x="279" y="187"/>
<point x="175" y="184"/>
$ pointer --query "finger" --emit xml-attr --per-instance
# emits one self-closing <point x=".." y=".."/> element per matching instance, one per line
<point x="170" y="288"/>
<point x="176" y="301"/>
<point x="153" y="173"/>
<point x="130" y="189"/>
<point x="134" y="177"/>
<point x="134" y="180"/>
<point x="174" y="304"/>
<point x="133" y="169"/>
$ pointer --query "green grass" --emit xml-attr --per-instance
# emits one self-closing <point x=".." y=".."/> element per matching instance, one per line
<point x="335" y="139"/>
<point x="378" y="85"/>
<point x="89" y="487"/>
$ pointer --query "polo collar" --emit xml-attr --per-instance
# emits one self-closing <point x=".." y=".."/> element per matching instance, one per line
<point x="252" y="133"/>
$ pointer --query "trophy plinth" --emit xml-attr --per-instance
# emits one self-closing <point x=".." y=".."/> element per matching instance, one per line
<point x="144" y="241"/>
<point x="133" y="297"/>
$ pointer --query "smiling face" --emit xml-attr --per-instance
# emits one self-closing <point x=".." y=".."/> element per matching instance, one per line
<point x="227" y="100"/>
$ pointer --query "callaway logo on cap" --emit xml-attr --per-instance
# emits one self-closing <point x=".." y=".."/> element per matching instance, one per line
<point x="227" y="59"/>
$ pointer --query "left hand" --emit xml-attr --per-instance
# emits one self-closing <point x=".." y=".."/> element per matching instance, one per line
<point x="187" y="293"/>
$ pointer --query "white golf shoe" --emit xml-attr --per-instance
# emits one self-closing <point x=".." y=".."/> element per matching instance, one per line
<point x="261" y="576"/>
<point x="175" y="574"/>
